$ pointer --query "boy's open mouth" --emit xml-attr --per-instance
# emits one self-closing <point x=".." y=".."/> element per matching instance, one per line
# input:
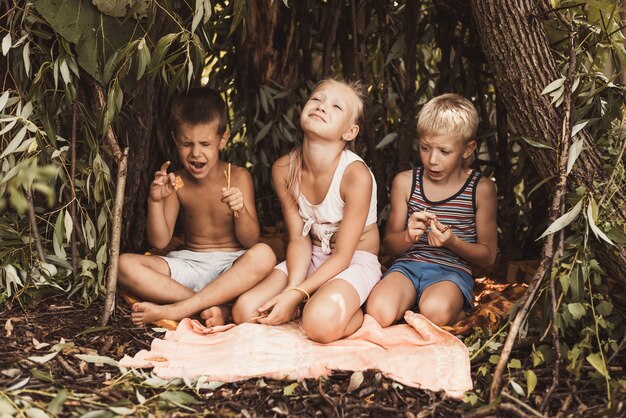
<point x="197" y="165"/>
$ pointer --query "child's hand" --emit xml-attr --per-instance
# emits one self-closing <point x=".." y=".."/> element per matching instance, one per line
<point x="418" y="222"/>
<point x="233" y="198"/>
<point x="440" y="235"/>
<point x="281" y="308"/>
<point x="163" y="184"/>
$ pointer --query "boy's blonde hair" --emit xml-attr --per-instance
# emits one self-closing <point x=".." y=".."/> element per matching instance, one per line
<point x="449" y="114"/>
<point x="295" y="156"/>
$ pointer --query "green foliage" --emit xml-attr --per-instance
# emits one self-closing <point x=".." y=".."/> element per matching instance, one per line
<point x="52" y="50"/>
<point x="56" y="55"/>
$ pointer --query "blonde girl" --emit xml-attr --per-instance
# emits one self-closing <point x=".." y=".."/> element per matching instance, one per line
<point x="328" y="199"/>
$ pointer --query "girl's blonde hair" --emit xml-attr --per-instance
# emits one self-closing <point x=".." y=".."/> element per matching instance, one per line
<point x="449" y="114"/>
<point x="295" y="156"/>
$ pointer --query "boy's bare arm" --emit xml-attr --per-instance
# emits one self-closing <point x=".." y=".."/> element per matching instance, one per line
<point x="163" y="206"/>
<point x="399" y="236"/>
<point x="246" y="223"/>
<point x="483" y="252"/>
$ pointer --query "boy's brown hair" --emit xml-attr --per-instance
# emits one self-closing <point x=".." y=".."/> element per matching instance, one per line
<point x="198" y="105"/>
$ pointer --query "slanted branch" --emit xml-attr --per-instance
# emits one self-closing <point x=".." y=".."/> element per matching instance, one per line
<point x="550" y="246"/>
<point x="121" y="157"/>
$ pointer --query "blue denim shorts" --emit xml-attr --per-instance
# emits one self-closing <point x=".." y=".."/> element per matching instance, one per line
<point x="423" y="275"/>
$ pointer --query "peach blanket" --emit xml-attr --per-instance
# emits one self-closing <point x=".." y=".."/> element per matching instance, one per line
<point x="417" y="354"/>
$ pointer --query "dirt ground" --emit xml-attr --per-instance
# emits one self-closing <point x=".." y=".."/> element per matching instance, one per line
<point x="82" y="379"/>
<point x="80" y="383"/>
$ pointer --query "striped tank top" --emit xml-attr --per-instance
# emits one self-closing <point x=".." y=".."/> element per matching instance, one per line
<point x="458" y="211"/>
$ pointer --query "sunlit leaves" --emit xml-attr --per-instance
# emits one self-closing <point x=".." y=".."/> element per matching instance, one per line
<point x="592" y="216"/>
<point x="388" y="139"/>
<point x="6" y="44"/>
<point x="563" y="220"/>
<point x="597" y="361"/>
<point x="574" y="151"/>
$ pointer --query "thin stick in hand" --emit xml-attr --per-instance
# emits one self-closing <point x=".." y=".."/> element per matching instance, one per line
<point x="227" y="176"/>
<point x="260" y="316"/>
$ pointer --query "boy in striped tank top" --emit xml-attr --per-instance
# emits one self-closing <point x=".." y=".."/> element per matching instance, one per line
<point x="443" y="217"/>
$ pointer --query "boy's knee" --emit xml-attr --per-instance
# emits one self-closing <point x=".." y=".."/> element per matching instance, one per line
<point x="381" y="311"/>
<point x="263" y="256"/>
<point x="440" y="312"/>
<point x="124" y="266"/>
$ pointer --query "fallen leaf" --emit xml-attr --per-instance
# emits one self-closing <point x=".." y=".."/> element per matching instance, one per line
<point x="355" y="380"/>
<point x="38" y="345"/>
<point x="8" y="327"/>
<point x="43" y="359"/>
<point x="97" y="360"/>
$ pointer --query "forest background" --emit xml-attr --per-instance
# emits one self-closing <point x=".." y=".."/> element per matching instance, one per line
<point x="85" y="87"/>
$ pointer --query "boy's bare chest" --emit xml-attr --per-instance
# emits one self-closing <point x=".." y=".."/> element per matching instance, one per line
<point x="202" y="201"/>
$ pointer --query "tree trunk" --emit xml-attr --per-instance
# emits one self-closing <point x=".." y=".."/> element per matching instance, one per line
<point x="149" y="148"/>
<point x="518" y="51"/>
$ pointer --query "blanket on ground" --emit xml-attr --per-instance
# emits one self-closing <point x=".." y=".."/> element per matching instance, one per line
<point x="417" y="354"/>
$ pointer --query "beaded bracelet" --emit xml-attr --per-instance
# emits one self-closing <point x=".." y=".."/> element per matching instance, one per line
<point x="303" y="292"/>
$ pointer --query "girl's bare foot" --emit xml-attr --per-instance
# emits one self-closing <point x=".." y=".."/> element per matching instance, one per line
<point x="215" y="315"/>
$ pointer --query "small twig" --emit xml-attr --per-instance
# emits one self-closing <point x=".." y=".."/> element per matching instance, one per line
<point x="508" y="407"/>
<point x="110" y="136"/>
<point x="328" y="400"/>
<point x="523" y="405"/>
<point x="227" y="177"/>
<point x="67" y="367"/>
<point x="565" y="406"/>
<point x="485" y="411"/>
<point x="34" y="230"/>
<point x="74" y="244"/>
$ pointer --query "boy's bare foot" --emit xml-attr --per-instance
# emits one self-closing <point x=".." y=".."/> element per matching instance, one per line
<point x="215" y="315"/>
<point x="145" y="312"/>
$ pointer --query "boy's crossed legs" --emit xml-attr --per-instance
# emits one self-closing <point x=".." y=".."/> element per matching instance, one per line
<point x="148" y="277"/>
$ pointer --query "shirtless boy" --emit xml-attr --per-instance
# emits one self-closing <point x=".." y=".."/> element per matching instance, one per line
<point x="222" y="257"/>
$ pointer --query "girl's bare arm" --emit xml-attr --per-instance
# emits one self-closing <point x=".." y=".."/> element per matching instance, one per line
<point x="299" y="248"/>
<point x="356" y="191"/>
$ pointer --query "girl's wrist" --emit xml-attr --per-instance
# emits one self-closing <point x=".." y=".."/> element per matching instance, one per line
<point x="302" y="292"/>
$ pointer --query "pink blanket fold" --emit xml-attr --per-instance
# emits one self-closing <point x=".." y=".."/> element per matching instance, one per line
<point x="418" y="354"/>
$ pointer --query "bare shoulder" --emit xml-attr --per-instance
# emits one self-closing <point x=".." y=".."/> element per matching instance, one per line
<point x="485" y="191"/>
<point x="238" y="172"/>
<point x="403" y="179"/>
<point x="281" y="163"/>
<point x="486" y="186"/>
<point x="357" y="174"/>
<point x="281" y="166"/>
